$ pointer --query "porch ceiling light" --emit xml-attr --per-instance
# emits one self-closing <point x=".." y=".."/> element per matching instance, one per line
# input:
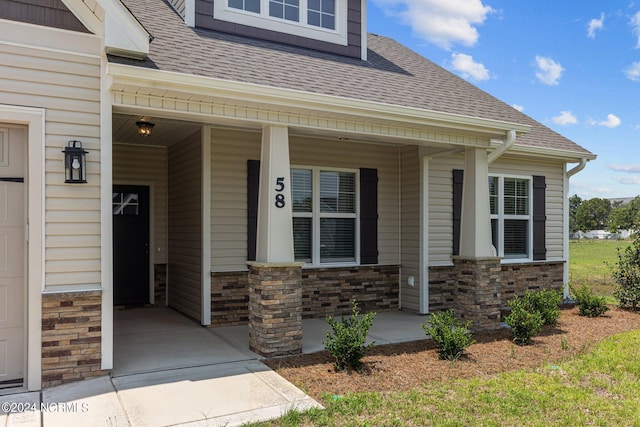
<point x="75" y="163"/>
<point x="144" y="128"/>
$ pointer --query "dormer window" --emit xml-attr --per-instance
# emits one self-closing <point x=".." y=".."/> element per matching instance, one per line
<point x="324" y="20"/>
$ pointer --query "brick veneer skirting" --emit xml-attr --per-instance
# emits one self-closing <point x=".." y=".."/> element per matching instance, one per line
<point x="71" y="337"/>
<point x="325" y="292"/>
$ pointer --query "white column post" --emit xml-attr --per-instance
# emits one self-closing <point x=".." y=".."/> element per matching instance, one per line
<point x="274" y="241"/>
<point x="475" y="228"/>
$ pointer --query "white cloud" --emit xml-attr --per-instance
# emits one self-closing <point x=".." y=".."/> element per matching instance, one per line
<point x="593" y="25"/>
<point x="565" y="118"/>
<point x="518" y="107"/>
<point x="635" y="25"/>
<point x="611" y="122"/>
<point x="633" y="72"/>
<point x="441" y="22"/>
<point x="549" y="71"/>
<point x="628" y="180"/>
<point x="468" y="67"/>
<point x="625" y="168"/>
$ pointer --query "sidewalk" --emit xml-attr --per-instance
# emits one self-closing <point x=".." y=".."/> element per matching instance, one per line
<point x="229" y="394"/>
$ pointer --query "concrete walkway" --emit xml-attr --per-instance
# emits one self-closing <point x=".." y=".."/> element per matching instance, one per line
<point x="172" y="372"/>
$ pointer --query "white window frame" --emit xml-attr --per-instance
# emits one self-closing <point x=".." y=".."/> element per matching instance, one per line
<point x="501" y="217"/>
<point x="315" y="216"/>
<point x="222" y="11"/>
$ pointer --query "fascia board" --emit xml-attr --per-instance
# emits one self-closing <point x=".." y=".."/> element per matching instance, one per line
<point x="554" y="153"/>
<point x="254" y="93"/>
<point x="123" y="34"/>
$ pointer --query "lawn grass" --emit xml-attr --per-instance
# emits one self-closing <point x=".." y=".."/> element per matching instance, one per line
<point x="589" y="261"/>
<point x="601" y="387"/>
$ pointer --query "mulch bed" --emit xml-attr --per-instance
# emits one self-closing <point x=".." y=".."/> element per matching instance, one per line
<point x="404" y="366"/>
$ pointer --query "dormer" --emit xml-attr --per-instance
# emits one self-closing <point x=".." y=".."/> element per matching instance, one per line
<point x="334" y="26"/>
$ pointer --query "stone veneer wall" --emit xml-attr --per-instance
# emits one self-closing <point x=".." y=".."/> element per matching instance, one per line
<point x="229" y="298"/>
<point x="329" y="291"/>
<point x="160" y="284"/>
<point x="325" y="291"/>
<point x="518" y="278"/>
<point x="71" y="337"/>
<point x="275" y="308"/>
<point x="515" y="279"/>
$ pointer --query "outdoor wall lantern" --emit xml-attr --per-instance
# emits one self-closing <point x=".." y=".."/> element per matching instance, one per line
<point x="75" y="164"/>
<point x="144" y="128"/>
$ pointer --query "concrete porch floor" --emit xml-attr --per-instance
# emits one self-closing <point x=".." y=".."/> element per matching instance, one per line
<point x="170" y="371"/>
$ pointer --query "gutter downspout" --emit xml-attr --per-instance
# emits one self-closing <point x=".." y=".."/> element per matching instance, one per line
<point x="511" y="139"/>
<point x="577" y="168"/>
<point x="583" y="162"/>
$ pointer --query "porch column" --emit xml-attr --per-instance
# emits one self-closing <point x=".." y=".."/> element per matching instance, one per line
<point x="274" y="242"/>
<point x="475" y="227"/>
<point x="275" y="280"/>
<point x="477" y="292"/>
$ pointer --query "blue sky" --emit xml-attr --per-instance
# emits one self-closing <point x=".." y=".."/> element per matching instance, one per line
<point x="572" y="65"/>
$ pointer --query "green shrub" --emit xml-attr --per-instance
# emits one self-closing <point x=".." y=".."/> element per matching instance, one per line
<point x="524" y="323"/>
<point x="626" y="273"/>
<point x="589" y="305"/>
<point x="347" y="342"/>
<point x="451" y="335"/>
<point x="545" y="302"/>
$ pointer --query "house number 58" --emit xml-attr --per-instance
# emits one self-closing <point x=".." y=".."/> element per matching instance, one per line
<point x="279" y="188"/>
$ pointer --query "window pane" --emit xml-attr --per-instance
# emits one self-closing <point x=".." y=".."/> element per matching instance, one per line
<point x="328" y="21"/>
<point x="302" y="239"/>
<point x="301" y="190"/>
<point x="313" y="18"/>
<point x="236" y="4"/>
<point x="337" y="192"/>
<point x="516" y="196"/>
<point x="516" y="241"/>
<point x="321" y="13"/>
<point x="337" y="240"/>
<point x="286" y="9"/>
<point x="276" y="9"/>
<point x="252" y="6"/>
<point x="125" y="203"/>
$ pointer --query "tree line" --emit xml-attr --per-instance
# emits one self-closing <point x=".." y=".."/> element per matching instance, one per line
<point x="602" y="214"/>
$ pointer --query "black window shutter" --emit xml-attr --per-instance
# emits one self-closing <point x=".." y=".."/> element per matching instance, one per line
<point x="368" y="216"/>
<point x="539" y="218"/>
<point x="253" y="181"/>
<point x="458" y="179"/>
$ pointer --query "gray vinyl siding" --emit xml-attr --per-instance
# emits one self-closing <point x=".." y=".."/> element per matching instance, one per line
<point x="178" y="5"/>
<point x="50" y="13"/>
<point x="146" y="165"/>
<point x="185" y="230"/>
<point x="67" y="86"/>
<point x="230" y="152"/>
<point x="410" y="219"/>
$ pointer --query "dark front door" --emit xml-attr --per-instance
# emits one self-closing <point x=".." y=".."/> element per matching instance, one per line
<point x="130" y="244"/>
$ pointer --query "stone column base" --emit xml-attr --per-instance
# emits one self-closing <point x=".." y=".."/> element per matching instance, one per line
<point x="275" y="308"/>
<point x="477" y="292"/>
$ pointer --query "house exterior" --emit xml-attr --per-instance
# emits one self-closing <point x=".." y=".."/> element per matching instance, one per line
<point x="296" y="163"/>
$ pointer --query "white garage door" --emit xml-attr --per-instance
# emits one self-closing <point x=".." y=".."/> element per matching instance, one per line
<point x="12" y="255"/>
